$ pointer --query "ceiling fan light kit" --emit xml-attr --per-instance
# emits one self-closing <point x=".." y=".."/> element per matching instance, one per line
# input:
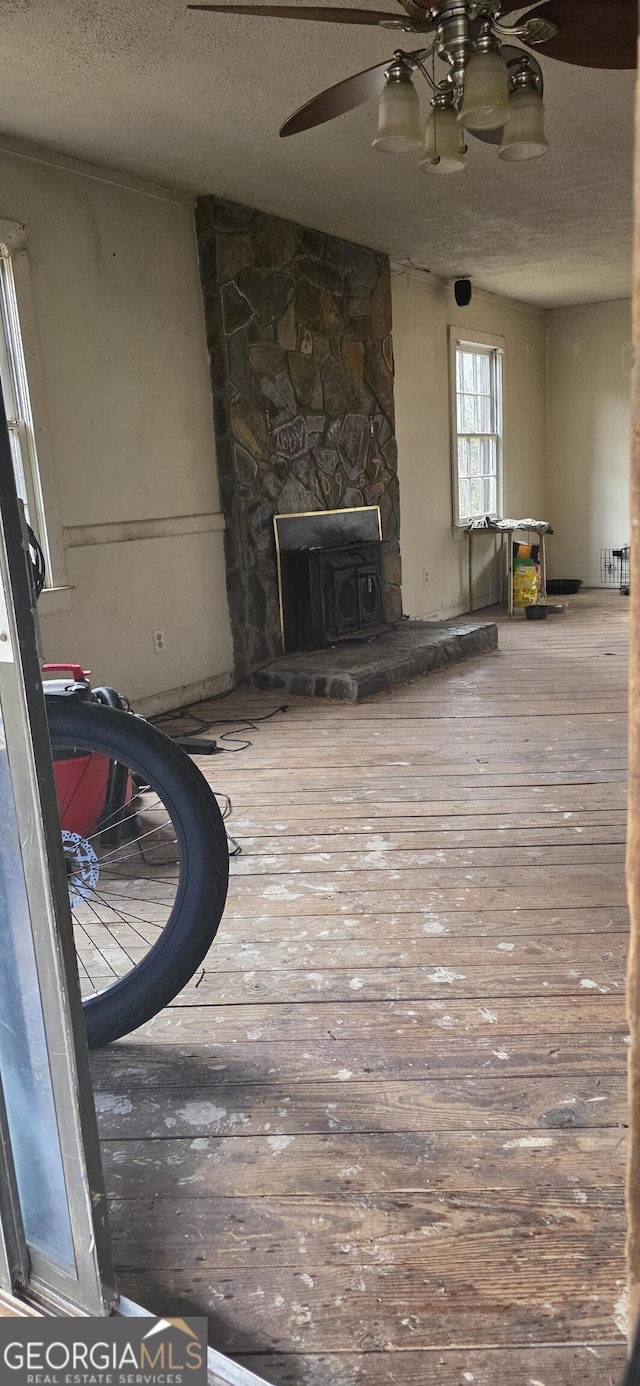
<point x="491" y="84"/>
<point x="524" y="136"/>
<point x="444" y="151"/>
<point x="399" y="129"/>
<point x="498" y="94"/>
<point x="485" y="103"/>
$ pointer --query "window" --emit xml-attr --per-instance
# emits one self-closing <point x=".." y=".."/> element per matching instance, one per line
<point x="26" y="408"/>
<point x="477" y="428"/>
<point x="54" y="1247"/>
<point x="15" y="389"/>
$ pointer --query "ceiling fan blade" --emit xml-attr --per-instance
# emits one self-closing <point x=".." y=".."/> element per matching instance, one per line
<point x="345" y="96"/>
<point x="323" y="14"/>
<point x="591" y="33"/>
<point x="417" y="12"/>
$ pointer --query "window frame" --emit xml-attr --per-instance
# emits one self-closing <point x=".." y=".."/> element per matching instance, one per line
<point x="36" y="439"/>
<point x="495" y="347"/>
<point x="27" y="1273"/>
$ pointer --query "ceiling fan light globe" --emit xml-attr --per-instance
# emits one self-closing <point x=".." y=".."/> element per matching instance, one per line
<point x="398" y="119"/>
<point x="486" y="92"/>
<point x="524" y="136"/>
<point x="444" y="151"/>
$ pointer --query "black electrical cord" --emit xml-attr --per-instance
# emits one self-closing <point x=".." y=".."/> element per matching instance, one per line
<point x="249" y="725"/>
<point x="164" y="722"/>
<point x="226" y="813"/>
<point x="186" y="714"/>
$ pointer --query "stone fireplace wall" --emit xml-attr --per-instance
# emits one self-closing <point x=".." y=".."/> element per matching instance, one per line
<point x="299" y="335"/>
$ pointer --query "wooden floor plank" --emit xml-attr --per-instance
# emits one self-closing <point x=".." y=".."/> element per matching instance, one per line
<point x="363" y="838"/>
<point x="522" y="922"/>
<point x="575" y="949"/>
<point x="384" y="1162"/>
<point x="593" y="790"/>
<point x="415" y="983"/>
<point x="346" y="1105"/>
<point x="219" y="1064"/>
<point x="598" y="1012"/>
<point x="530" y="1293"/>
<point x="580" y="882"/>
<point x="517" y="1366"/>
<point x="379" y="1138"/>
<point x="583" y="803"/>
<point x="377" y="857"/>
<point x="300" y="896"/>
<point x="221" y="1233"/>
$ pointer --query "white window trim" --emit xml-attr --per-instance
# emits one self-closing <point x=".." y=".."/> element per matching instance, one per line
<point x="459" y="336"/>
<point x="56" y="596"/>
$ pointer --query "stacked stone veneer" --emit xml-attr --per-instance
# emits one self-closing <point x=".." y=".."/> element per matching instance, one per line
<point x="299" y="334"/>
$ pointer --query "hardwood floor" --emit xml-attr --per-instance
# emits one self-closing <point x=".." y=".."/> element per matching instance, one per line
<point x="380" y="1139"/>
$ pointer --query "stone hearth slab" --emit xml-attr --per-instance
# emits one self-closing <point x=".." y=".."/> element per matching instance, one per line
<point x="359" y="668"/>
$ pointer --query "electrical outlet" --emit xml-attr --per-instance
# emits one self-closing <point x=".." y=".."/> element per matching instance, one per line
<point x="159" y="642"/>
<point x="425" y="577"/>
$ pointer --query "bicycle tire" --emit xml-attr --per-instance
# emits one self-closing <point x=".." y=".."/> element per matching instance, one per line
<point x="204" y="861"/>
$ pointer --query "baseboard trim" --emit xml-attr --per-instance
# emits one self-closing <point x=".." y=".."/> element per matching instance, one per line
<point x="449" y="613"/>
<point x="185" y="694"/>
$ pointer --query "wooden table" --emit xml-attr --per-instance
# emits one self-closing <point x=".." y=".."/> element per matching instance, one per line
<point x="507" y="532"/>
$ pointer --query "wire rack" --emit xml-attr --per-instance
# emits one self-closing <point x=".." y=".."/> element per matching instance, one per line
<point x="614" y="568"/>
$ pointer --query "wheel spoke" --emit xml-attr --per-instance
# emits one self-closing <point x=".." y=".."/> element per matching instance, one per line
<point x="121" y="915"/>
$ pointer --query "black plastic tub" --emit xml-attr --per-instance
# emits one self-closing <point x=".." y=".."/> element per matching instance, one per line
<point x="563" y="587"/>
<point x="536" y="612"/>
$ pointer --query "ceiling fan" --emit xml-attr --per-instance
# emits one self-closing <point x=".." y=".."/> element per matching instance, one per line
<point x="491" y="87"/>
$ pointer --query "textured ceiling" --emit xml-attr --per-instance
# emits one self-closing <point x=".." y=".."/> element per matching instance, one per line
<point x="196" y="100"/>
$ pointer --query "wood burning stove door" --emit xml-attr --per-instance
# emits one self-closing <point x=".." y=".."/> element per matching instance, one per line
<point x="370" y="601"/>
<point x="343" y="617"/>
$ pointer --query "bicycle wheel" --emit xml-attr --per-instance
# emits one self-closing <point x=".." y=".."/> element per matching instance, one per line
<point x="147" y="862"/>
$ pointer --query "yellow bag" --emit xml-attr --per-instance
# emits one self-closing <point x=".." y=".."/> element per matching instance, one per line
<point x="526" y="575"/>
<point x="526" y="587"/>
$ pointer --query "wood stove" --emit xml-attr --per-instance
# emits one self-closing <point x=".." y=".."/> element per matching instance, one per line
<point x="332" y="593"/>
<point x="331" y="590"/>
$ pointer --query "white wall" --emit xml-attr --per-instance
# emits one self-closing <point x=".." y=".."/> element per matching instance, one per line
<point x="423" y="310"/>
<point x="588" y="439"/>
<point x="129" y="435"/>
